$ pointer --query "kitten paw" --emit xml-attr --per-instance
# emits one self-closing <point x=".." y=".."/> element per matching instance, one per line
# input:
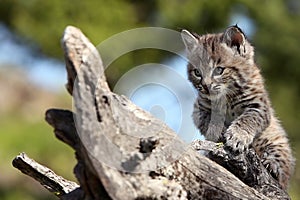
<point x="237" y="141"/>
<point x="272" y="165"/>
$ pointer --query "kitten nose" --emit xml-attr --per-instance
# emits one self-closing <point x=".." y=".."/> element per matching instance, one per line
<point x="207" y="81"/>
<point x="207" y="85"/>
<point x="206" y="88"/>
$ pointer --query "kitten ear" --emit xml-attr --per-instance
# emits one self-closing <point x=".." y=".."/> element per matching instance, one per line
<point x="190" y="41"/>
<point x="234" y="37"/>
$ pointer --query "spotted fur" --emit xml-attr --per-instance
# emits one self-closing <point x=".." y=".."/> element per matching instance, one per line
<point x="233" y="105"/>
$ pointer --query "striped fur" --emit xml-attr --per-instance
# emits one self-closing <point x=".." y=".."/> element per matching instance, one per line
<point x="233" y="105"/>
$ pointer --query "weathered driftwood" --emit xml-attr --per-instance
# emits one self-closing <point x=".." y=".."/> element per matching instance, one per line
<point x="125" y="153"/>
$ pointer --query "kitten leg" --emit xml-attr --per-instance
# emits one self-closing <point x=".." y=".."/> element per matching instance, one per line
<point x="276" y="165"/>
<point x="210" y="126"/>
<point x="201" y="120"/>
<point x="240" y="134"/>
<point x="273" y="148"/>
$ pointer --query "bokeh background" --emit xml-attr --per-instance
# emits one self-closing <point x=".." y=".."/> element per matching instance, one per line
<point x="32" y="75"/>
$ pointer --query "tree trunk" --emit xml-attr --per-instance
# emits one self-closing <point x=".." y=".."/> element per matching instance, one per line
<point x="125" y="153"/>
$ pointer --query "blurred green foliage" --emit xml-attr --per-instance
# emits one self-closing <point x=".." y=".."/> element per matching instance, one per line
<point x="19" y="134"/>
<point x="276" y="38"/>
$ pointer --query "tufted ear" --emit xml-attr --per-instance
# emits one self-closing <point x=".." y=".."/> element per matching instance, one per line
<point x="234" y="37"/>
<point x="190" y="41"/>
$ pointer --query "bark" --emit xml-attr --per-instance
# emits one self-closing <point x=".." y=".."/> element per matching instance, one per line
<point x="125" y="153"/>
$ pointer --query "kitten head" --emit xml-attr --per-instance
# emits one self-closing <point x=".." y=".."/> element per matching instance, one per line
<point x="218" y="63"/>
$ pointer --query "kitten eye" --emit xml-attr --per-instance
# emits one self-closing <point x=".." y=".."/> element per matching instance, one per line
<point x="197" y="73"/>
<point x="218" y="71"/>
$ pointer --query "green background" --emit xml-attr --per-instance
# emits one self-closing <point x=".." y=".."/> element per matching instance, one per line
<point x="40" y="24"/>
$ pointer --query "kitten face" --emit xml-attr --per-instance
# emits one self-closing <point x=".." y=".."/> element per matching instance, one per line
<point x="218" y="62"/>
<point x="210" y="80"/>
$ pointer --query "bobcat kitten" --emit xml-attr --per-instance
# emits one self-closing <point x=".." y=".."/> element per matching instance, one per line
<point x="233" y="105"/>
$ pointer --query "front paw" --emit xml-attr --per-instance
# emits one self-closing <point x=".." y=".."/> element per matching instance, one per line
<point x="238" y="141"/>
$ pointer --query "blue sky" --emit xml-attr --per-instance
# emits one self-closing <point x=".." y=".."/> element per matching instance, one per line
<point x="46" y="72"/>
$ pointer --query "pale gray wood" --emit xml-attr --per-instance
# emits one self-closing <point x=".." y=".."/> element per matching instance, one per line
<point x="51" y="181"/>
<point x="125" y="153"/>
